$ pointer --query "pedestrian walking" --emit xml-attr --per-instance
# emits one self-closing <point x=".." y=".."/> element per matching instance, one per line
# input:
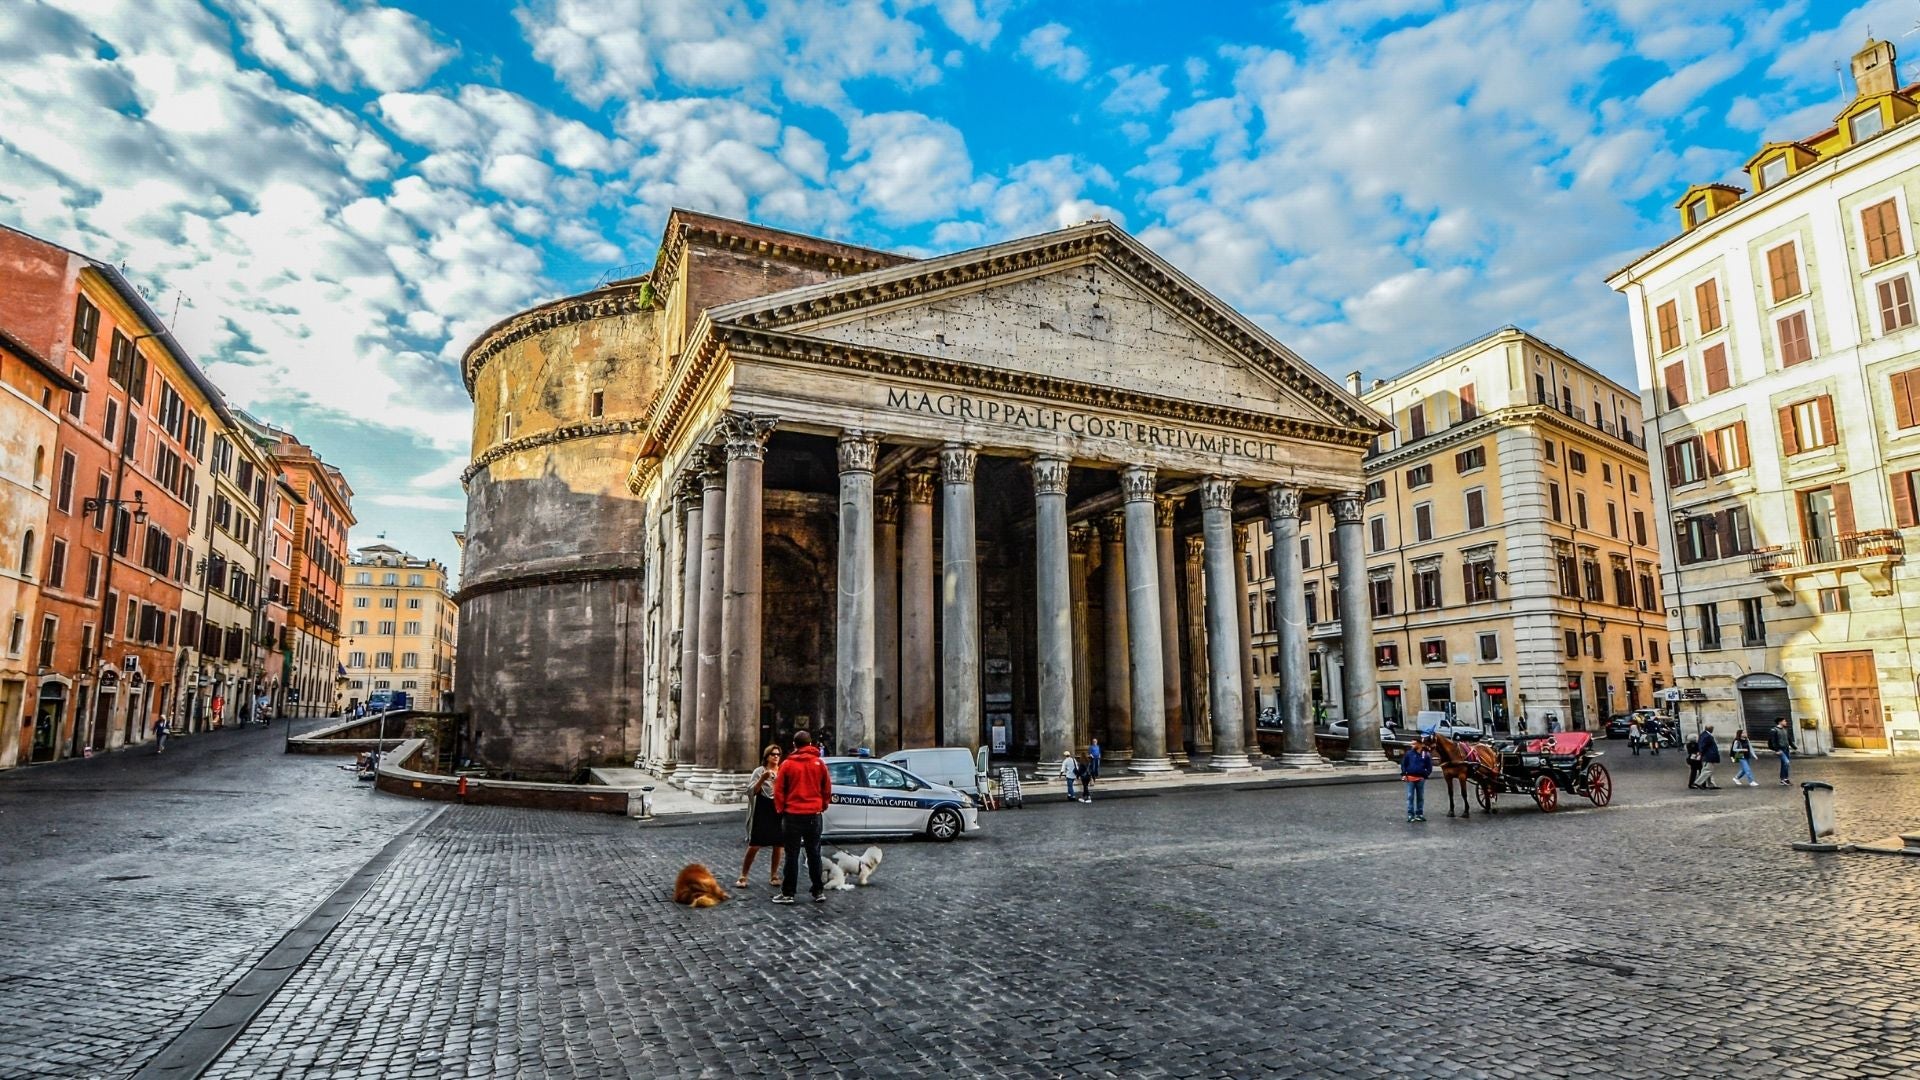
<point x="1092" y="772"/>
<point x="801" y="793"/>
<point x="1693" y="762"/>
<point x="763" y="821"/>
<point x="1553" y="724"/>
<point x="1069" y="771"/>
<point x="1415" y="766"/>
<point x="1635" y="735"/>
<point x="1656" y="732"/>
<point x="160" y="732"/>
<point x="1709" y="757"/>
<point x="1780" y="739"/>
<point x="1743" y="756"/>
<point x="219" y="707"/>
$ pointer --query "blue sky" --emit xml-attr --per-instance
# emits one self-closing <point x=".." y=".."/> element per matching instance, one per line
<point x="341" y="194"/>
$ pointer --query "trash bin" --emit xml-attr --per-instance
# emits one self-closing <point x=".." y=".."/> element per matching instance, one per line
<point x="1821" y="826"/>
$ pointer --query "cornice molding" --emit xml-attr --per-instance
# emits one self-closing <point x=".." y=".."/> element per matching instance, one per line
<point x="548" y="577"/>
<point x="629" y="299"/>
<point x="673" y="253"/>
<point x="1511" y="416"/>
<point x="565" y="433"/>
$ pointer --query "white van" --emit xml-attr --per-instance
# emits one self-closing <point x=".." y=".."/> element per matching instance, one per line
<point x="948" y="766"/>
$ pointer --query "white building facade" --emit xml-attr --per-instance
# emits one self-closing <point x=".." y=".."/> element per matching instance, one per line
<point x="1778" y="357"/>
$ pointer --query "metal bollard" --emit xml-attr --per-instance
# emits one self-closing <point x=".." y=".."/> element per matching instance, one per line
<point x="1821" y="825"/>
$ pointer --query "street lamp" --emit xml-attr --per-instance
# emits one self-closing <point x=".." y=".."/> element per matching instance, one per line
<point x="95" y="503"/>
<point x="1681" y="517"/>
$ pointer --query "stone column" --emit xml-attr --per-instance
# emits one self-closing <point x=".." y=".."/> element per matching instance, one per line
<point x="854" y="621"/>
<point x="1165" y="506"/>
<point x="1289" y="585"/>
<point x="1248" y="705"/>
<point x="1053" y="604"/>
<point x="1146" y="634"/>
<point x="741" y="603"/>
<point x="1360" y="689"/>
<point x="713" y="542"/>
<point x="959" y="601"/>
<point x="1198" y="691"/>
<point x="918" y="665"/>
<point x="886" y="618"/>
<point x="1119" y="718"/>
<point x="1079" y="545"/>
<point x="1224" y="605"/>
<point x="680" y="751"/>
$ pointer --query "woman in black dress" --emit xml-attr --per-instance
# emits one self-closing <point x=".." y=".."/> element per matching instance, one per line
<point x="763" y="821"/>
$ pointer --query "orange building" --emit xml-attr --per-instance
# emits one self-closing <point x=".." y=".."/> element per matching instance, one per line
<point x="322" y="514"/>
<point x="122" y="496"/>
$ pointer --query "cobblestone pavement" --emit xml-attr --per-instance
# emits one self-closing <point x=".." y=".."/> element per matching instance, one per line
<point x="138" y="886"/>
<point x="1221" y="933"/>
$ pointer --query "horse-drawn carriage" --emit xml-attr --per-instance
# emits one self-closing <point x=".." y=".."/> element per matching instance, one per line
<point x="1537" y="766"/>
<point x="1543" y="766"/>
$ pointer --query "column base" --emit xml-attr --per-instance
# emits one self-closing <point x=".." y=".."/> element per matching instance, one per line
<point x="1304" y="761"/>
<point x="1117" y="757"/>
<point x="1150" y="765"/>
<point x="1177" y="759"/>
<point x="725" y="787"/>
<point x="1234" y="762"/>
<point x="1366" y="757"/>
<point x="696" y="778"/>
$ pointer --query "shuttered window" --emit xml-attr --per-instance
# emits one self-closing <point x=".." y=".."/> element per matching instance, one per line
<point x="1674" y="380"/>
<point x="1807" y="425"/>
<point x="1468" y="408"/>
<point x="1417" y="422"/>
<point x="1906" y="398"/>
<point x="1727" y="449"/>
<point x="1706" y="306"/>
<point x="1715" y="360"/>
<point x="1880" y="223"/>
<point x="1476" y="509"/>
<point x="1903" y="501"/>
<point x="1669" y="317"/>
<point x="1896" y="304"/>
<point x="1795" y="346"/>
<point x="1685" y="462"/>
<point x="1783" y="272"/>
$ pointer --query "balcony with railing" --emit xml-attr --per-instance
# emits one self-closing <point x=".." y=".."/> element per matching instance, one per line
<point x="1615" y="428"/>
<point x="1872" y="553"/>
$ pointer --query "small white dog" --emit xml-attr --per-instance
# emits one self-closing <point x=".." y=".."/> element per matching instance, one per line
<point x="843" y="866"/>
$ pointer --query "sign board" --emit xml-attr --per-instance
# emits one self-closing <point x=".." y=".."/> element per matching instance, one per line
<point x="1693" y="693"/>
<point x="999" y="738"/>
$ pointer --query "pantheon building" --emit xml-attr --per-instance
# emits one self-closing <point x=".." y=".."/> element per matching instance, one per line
<point x="997" y="497"/>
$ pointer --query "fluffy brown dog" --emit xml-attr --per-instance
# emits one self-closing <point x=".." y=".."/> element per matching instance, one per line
<point x="695" y="887"/>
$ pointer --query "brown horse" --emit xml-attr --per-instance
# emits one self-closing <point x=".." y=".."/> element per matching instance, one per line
<point x="1463" y="763"/>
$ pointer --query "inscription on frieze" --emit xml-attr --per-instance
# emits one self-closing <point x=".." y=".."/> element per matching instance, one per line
<point x="1079" y="422"/>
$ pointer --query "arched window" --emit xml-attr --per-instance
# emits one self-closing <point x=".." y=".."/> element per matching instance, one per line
<point x="26" y="555"/>
<point x="39" y="465"/>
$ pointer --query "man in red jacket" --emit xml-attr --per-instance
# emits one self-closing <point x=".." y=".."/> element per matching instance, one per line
<point x="801" y="795"/>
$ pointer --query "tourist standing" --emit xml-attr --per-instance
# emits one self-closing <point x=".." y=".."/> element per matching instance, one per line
<point x="1693" y="762"/>
<point x="1069" y="771"/>
<point x="763" y="821"/>
<point x="801" y="793"/>
<point x="1092" y="773"/>
<point x="1743" y="755"/>
<point x="1780" y="739"/>
<point x="1415" y="766"/>
<point x="160" y="732"/>
<point x="1635" y="734"/>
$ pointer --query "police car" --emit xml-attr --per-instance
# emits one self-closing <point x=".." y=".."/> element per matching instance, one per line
<point x="873" y="798"/>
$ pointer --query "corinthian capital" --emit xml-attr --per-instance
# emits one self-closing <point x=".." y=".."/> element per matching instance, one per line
<point x="1196" y="546"/>
<point x="1113" y="527"/>
<point x="1347" y="508"/>
<point x="858" y="451"/>
<point x="1216" y="493"/>
<point x="746" y="435"/>
<point x="1050" y="476"/>
<point x="956" y="463"/>
<point x="1164" y="508"/>
<point x="886" y="508"/>
<point x="1136" y="483"/>
<point x="1080" y="539"/>
<point x="1283" y="501"/>
<point x="919" y="486"/>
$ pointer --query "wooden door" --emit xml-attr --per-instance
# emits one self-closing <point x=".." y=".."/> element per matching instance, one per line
<point x="1853" y="700"/>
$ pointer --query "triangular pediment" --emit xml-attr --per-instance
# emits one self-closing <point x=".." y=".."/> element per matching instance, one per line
<point x="1088" y="305"/>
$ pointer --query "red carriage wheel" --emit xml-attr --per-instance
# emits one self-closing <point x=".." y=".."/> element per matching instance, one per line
<point x="1486" y="795"/>
<point x="1599" y="784"/>
<point x="1547" y="794"/>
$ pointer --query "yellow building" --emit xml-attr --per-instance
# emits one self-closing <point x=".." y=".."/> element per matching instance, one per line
<point x="1510" y="560"/>
<point x="400" y="626"/>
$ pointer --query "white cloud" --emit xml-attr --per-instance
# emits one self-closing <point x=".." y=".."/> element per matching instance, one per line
<point x="1047" y="49"/>
<point x="907" y="167"/>
<point x="327" y="43"/>
<point x="1138" y="93"/>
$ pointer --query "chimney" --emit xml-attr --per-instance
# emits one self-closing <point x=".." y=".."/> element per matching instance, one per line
<point x="1353" y="383"/>
<point x="1873" y="69"/>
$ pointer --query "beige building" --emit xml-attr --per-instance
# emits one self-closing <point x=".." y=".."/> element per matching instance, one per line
<point x="1508" y="538"/>
<point x="1779" y="360"/>
<point x="400" y="626"/>
<point x="223" y="641"/>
